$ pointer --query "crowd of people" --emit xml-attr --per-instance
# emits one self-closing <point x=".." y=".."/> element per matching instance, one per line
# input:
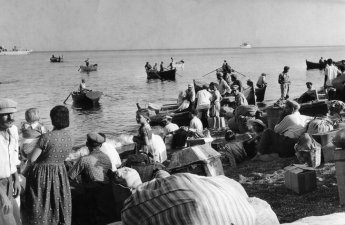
<point x="162" y="68"/>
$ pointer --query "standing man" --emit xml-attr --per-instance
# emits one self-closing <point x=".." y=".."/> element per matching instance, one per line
<point x="224" y="88"/>
<point x="261" y="81"/>
<point x="161" y="67"/>
<point x="171" y="65"/>
<point x="204" y="98"/>
<point x="331" y="72"/>
<point x="284" y="81"/>
<point x="82" y="86"/>
<point x="190" y="96"/>
<point x="9" y="159"/>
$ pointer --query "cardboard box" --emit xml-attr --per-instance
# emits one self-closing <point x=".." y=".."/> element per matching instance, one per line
<point x="300" y="180"/>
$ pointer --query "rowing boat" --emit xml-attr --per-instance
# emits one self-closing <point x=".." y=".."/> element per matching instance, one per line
<point x="321" y="66"/>
<point x="86" y="99"/>
<point x="56" y="59"/>
<point x="88" y="68"/>
<point x="164" y="75"/>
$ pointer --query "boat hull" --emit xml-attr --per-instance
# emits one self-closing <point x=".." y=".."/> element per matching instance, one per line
<point x="22" y="52"/>
<point x="165" y="75"/>
<point x="86" y="99"/>
<point x="56" y="60"/>
<point x="321" y="66"/>
<point x="88" y="68"/>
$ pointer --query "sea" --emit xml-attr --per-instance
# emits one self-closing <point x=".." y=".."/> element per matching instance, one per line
<point x="32" y="81"/>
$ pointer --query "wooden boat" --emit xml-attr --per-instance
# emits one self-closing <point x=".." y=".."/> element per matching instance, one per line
<point x="321" y="66"/>
<point x="88" y="68"/>
<point x="165" y="75"/>
<point x="56" y="59"/>
<point x="86" y="99"/>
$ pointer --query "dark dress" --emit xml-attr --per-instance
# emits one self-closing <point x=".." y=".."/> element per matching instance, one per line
<point x="48" y="194"/>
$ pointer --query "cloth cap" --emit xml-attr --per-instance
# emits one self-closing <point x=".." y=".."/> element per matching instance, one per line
<point x="286" y="68"/>
<point x="7" y="106"/>
<point x="263" y="74"/>
<point x="95" y="138"/>
<point x="190" y="85"/>
<point x="257" y="121"/>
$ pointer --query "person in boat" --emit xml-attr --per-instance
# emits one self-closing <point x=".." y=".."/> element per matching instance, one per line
<point x="240" y="99"/>
<point x="280" y="141"/>
<point x="161" y="67"/>
<point x="321" y="61"/>
<point x="169" y="127"/>
<point x="87" y="63"/>
<point x="226" y="68"/>
<point x="171" y="65"/>
<point x="155" y="67"/>
<point x="224" y="88"/>
<point x="236" y="81"/>
<point x="309" y="95"/>
<point x="204" y="98"/>
<point x="148" y="66"/>
<point x="284" y="81"/>
<point x="331" y="72"/>
<point x="53" y="56"/>
<point x="261" y="81"/>
<point x="82" y="86"/>
<point x="190" y="96"/>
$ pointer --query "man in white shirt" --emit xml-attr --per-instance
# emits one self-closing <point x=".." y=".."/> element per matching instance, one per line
<point x="203" y="104"/>
<point x="195" y="124"/>
<point x="331" y="72"/>
<point x="169" y="127"/>
<point x="9" y="159"/>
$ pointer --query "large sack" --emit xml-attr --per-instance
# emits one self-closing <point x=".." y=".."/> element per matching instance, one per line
<point x="264" y="212"/>
<point x="187" y="199"/>
<point x="308" y="151"/>
<point x="319" y="125"/>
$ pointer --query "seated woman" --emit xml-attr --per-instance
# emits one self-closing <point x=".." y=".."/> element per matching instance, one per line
<point x="281" y="141"/>
<point x="309" y="95"/>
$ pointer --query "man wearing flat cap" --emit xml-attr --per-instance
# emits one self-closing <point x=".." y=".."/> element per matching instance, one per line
<point x="97" y="201"/>
<point x="9" y="159"/>
<point x="284" y="81"/>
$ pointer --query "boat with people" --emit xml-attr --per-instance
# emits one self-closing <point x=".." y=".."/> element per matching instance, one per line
<point x="321" y="66"/>
<point x="87" y="98"/>
<point x="54" y="59"/>
<point x="245" y="45"/>
<point x="163" y="75"/>
<point x="15" y="51"/>
<point x="88" y="68"/>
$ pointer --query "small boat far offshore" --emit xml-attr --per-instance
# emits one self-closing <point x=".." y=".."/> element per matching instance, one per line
<point x="14" y="51"/>
<point x="88" y="68"/>
<point x="245" y="45"/>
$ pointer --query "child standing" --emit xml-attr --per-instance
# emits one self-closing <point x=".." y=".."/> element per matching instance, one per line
<point x="31" y="130"/>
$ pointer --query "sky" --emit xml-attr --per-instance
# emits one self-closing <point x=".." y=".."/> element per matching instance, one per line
<point x="45" y="25"/>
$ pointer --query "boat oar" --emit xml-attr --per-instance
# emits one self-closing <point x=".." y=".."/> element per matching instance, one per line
<point x="110" y="96"/>
<point x="64" y="102"/>
<point x="9" y="82"/>
<point x="211" y="72"/>
<point x="239" y="73"/>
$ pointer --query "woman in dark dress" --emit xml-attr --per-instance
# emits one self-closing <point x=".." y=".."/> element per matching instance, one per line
<point x="47" y="194"/>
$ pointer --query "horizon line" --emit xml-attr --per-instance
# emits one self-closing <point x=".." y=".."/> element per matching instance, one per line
<point x="172" y="49"/>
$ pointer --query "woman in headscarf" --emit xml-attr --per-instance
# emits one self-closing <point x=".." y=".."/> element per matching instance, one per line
<point x="146" y="140"/>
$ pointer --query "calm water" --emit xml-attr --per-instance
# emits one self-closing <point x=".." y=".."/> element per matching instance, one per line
<point x="121" y="75"/>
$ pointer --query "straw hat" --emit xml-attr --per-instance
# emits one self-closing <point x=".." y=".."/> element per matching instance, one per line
<point x="7" y="106"/>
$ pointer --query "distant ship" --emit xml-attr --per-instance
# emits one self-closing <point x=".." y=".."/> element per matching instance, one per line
<point x="245" y="45"/>
<point x="14" y="51"/>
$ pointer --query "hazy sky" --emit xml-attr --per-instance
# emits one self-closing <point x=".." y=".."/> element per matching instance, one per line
<point x="166" y="24"/>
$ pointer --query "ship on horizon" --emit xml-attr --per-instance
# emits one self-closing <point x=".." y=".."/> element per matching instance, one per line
<point x="15" y="51"/>
<point x="245" y="45"/>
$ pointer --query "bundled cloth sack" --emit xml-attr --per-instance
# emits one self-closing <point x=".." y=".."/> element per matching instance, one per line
<point x="319" y="125"/>
<point x="187" y="199"/>
<point x="308" y="151"/>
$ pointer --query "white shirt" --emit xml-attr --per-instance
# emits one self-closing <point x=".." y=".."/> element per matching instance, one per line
<point x="110" y="151"/>
<point x="9" y="158"/>
<point x="170" y="128"/>
<point x="196" y="124"/>
<point x="204" y="99"/>
<point x="331" y="72"/>
<point x="292" y="126"/>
